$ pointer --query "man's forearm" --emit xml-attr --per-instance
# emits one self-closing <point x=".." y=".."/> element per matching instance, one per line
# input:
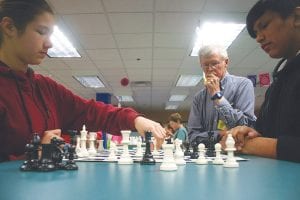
<point x="261" y="146"/>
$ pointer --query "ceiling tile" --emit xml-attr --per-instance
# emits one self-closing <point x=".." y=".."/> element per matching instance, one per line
<point x="128" y="5"/>
<point x="110" y="64"/>
<point x="77" y="6"/>
<point x="229" y="5"/>
<point x="176" y="22"/>
<point x="87" y="23"/>
<point x="97" y="41"/>
<point x="172" y="40"/>
<point x="131" y="22"/>
<point x="134" y="40"/>
<point x="179" y="5"/>
<point x="169" y="53"/>
<point x="103" y="54"/>
<point x="138" y="64"/>
<point x="171" y="63"/>
<point x="134" y="54"/>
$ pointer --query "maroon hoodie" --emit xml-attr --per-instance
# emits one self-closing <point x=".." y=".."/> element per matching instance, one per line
<point x="32" y="103"/>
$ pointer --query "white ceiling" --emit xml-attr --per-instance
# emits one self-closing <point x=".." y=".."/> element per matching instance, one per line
<point x="146" y="40"/>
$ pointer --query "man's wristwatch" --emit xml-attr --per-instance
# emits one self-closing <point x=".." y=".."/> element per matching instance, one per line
<point x="217" y="95"/>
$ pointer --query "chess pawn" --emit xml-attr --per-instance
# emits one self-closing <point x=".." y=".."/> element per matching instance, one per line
<point x="218" y="159"/>
<point x="100" y="146"/>
<point x="230" y="148"/>
<point x="154" y="152"/>
<point x="78" y="149"/>
<point x="83" y="139"/>
<point x="201" y="159"/>
<point x="125" y="157"/>
<point x="179" y="155"/>
<point x="168" y="163"/>
<point x="139" y="150"/>
<point x="92" y="150"/>
<point x="112" y="152"/>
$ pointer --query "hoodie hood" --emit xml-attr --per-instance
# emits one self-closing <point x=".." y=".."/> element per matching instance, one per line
<point x="10" y="73"/>
<point x="25" y="83"/>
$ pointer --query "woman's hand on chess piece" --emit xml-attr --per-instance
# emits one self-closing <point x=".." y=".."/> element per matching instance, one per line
<point x="143" y="124"/>
<point x="48" y="135"/>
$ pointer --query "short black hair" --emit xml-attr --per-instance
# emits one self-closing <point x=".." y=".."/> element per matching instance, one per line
<point x="283" y="7"/>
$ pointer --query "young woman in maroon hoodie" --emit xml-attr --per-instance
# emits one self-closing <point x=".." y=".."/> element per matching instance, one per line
<point x="32" y="103"/>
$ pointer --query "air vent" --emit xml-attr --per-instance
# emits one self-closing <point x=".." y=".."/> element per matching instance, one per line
<point x="140" y="84"/>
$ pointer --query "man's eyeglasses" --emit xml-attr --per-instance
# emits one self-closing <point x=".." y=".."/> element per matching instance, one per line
<point x="212" y="65"/>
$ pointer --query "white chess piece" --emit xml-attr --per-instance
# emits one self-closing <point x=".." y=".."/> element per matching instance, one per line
<point x="218" y="159"/>
<point x="100" y="146"/>
<point x="230" y="161"/>
<point x="125" y="158"/>
<point x="168" y="163"/>
<point x="179" y="155"/>
<point x="201" y="160"/>
<point x="154" y="152"/>
<point x="92" y="138"/>
<point x="112" y="152"/>
<point x="83" y="138"/>
<point x="139" y="150"/>
<point x="78" y="149"/>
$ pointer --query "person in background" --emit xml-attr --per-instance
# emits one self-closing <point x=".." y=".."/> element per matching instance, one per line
<point x="275" y="25"/>
<point x="32" y="103"/>
<point x="169" y="135"/>
<point x="180" y="131"/>
<point x="225" y="101"/>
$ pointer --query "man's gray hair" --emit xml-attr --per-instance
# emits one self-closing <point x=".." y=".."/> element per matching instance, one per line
<point x="210" y="50"/>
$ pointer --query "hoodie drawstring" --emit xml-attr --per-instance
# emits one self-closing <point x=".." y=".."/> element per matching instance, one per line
<point x="23" y="103"/>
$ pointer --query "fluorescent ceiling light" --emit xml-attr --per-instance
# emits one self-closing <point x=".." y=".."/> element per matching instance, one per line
<point x="171" y="107"/>
<point x="188" y="80"/>
<point x="125" y="98"/>
<point x="216" y="33"/>
<point x="62" y="47"/>
<point x="90" y="81"/>
<point x="177" y="97"/>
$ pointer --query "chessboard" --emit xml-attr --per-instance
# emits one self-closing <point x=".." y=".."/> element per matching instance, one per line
<point x="103" y="157"/>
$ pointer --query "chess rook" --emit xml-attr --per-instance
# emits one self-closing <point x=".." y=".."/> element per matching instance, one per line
<point x="168" y="163"/>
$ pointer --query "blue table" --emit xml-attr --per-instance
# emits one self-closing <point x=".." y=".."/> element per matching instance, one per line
<point x="256" y="179"/>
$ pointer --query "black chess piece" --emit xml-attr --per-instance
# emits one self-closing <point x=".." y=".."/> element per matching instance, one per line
<point x="27" y="164"/>
<point x="46" y="163"/>
<point x="57" y="153"/>
<point x="51" y="157"/>
<point x="187" y="151"/>
<point x="32" y="154"/>
<point x="169" y="140"/>
<point x="70" y="164"/>
<point x="210" y="145"/>
<point x="73" y="134"/>
<point x="36" y="141"/>
<point x="148" y="157"/>
<point x="195" y="153"/>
